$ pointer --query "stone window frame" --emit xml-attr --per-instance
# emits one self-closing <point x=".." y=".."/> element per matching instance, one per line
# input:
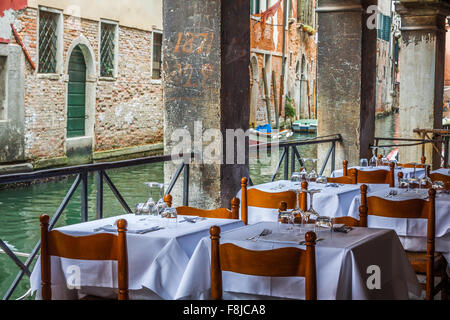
<point x="156" y="81"/>
<point x="116" y="50"/>
<point x="59" y="44"/>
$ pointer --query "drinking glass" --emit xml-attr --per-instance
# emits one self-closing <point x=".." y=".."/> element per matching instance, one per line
<point x="384" y="159"/>
<point x="149" y="207"/>
<point x="439" y="186"/>
<point x="321" y="179"/>
<point x="363" y="163"/>
<point x="284" y="219"/>
<point x="304" y="173"/>
<point x="296" y="177"/>
<point x="170" y="217"/>
<point x="404" y="183"/>
<point x="425" y="181"/>
<point x="161" y="204"/>
<point x="312" y="176"/>
<point x="306" y="215"/>
<point x="413" y="183"/>
<point x="374" y="160"/>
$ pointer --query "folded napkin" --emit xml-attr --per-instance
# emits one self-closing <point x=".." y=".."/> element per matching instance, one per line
<point x="113" y="228"/>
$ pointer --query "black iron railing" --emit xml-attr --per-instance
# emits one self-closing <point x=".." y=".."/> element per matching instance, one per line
<point x="81" y="172"/>
<point x="291" y="156"/>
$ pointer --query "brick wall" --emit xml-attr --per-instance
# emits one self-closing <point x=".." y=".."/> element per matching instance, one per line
<point x="128" y="111"/>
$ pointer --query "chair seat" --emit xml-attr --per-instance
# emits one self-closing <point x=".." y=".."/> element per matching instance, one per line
<point x="418" y="261"/>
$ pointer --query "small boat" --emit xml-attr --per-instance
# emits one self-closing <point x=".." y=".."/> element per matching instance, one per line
<point x="264" y="134"/>
<point x="305" y="125"/>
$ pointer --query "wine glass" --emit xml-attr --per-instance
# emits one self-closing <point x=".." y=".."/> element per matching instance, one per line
<point x="304" y="173"/>
<point x="425" y="181"/>
<point x="306" y="215"/>
<point x="150" y="204"/>
<point x="161" y="204"/>
<point x="170" y="216"/>
<point x="363" y="163"/>
<point x="312" y="176"/>
<point x="404" y="184"/>
<point x="374" y="160"/>
<point x="384" y="159"/>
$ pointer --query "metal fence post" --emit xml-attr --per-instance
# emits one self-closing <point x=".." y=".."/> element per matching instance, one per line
<point x="286" y="164"/>
<point x="333" y="157"/>
<point x="99" y="181"/>
<point x="186" y="185"/>
<point x="84" y="196"/>
<point x="293" y="159"/>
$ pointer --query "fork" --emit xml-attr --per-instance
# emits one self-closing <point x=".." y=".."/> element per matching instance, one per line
<point x="265" y="232"/>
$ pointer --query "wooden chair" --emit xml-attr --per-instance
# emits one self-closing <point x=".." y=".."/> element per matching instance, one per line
<point x="103" y="246"/>
<point x="283" y="262"/>
<point x="376" y="176"/>
<point x="261" y="199"/>
<point x="429" y="263"/>
<point x="346" y="179"/>
<point x="221" y="213"/>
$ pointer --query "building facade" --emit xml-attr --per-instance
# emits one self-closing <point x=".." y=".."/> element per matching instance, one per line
<point x="267" y="54"/>
<point x="79" y="82"/>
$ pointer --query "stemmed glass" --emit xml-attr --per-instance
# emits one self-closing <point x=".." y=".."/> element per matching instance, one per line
<point x="304" y="173"/>
<point x="384" y="160"/>
<point x="160" y="205"/>
<point x="413" y="180"/>
<point x="150" y="204"/>
<point x="306" y="215"/>
<point x="425" y="181"/>
<point x="374" y="160"/>
<point x="312" y="176"/>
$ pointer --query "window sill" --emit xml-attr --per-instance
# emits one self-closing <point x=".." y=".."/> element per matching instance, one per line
<point x="156" y="81"/>
<point x="48" y="76"/>
<point x="108" y="79"/>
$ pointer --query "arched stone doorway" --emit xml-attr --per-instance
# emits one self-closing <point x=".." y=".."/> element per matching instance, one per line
<point x="80" y="101"/>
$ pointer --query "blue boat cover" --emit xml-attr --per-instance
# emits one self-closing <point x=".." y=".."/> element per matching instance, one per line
<point x="267" y="128"/>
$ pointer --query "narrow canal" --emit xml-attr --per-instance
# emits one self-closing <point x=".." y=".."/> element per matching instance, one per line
<point x="20" y="208"/>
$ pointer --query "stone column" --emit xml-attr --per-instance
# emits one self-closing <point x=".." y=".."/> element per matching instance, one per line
<point x="206" y="56"/>
<point x="346" y="76"/>
<point x="422" y="58"/>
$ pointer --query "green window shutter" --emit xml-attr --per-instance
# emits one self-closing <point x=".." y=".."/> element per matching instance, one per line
<point x="48" y="23"/>
<point x="251" y="6"/>
<point x="76" y="102"/>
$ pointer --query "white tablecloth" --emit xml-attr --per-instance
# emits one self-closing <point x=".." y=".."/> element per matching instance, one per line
<point x="407" y="172"/>
<point x="443" y="171"/>
<point x="156" y="260"/>
<point x="331" y="201"/>
<point x="413" y="232"/>
<point x="342" y="261"/>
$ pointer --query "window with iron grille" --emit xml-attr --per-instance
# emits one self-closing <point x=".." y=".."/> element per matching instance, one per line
<point x="48" y="25"/>
<point x="107" y="49"/>
<point x="156" y="64"/>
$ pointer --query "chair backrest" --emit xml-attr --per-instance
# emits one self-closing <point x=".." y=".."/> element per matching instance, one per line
<point x="103" y="246"/>
<point x="441" y="177"/>
<point x="220" y="213"/>
<point x="257" y="198"/>
<point x="345" y="179"/>
<point x="283" y="262"/>
<point x="410" y="209"/>
<point x="376" y="176"/>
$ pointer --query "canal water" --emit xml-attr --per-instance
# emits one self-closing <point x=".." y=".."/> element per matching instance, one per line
<point x="20" y="208"/>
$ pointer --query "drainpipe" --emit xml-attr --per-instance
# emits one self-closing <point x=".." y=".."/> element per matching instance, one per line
<point x="283" y="63"/>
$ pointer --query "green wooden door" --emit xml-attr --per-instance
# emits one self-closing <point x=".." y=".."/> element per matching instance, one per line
<point x="76" y="110"/>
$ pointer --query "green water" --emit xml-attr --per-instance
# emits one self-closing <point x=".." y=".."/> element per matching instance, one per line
<point x="20" y="208"/>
